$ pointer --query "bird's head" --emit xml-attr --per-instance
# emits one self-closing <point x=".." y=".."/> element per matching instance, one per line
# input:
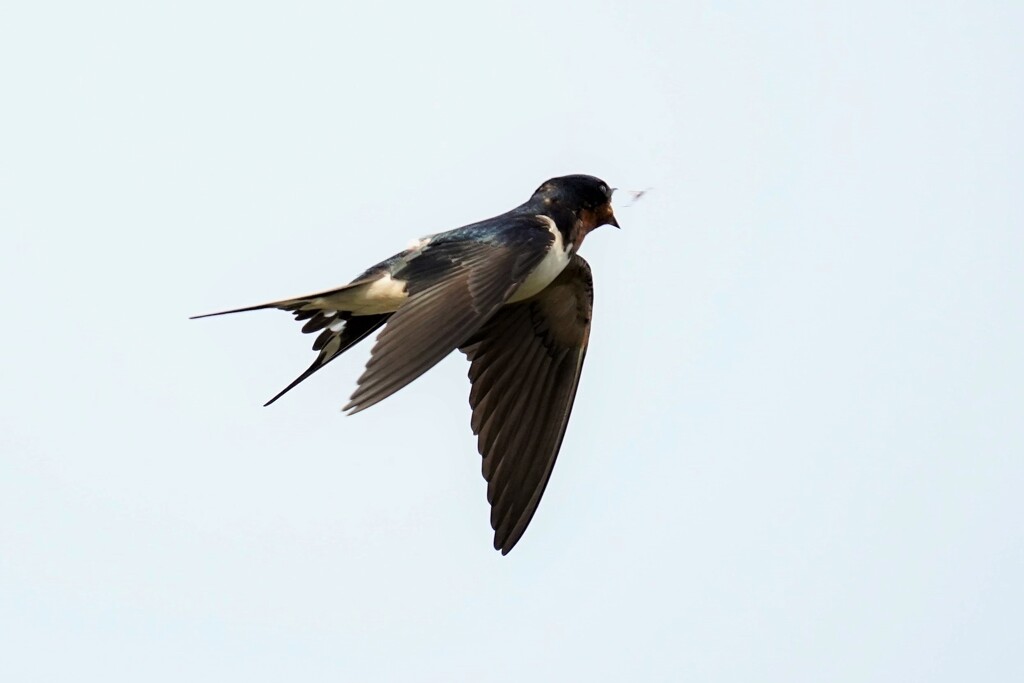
<point x="583" y="201"/>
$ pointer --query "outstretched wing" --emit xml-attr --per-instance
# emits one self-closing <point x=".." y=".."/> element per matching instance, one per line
<point x="525" y="367"/>
<point x="432" y="296"/>
<point x="454" y="285"/>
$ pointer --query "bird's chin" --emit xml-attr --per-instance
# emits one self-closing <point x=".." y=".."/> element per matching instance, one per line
<point x="586" y="222"/>
<point x="606" y="216"/>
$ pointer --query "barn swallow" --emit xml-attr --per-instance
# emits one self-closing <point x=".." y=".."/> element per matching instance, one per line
<point x="509" y="292"/>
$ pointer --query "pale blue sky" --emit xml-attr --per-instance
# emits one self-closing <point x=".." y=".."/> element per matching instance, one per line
<point x="796" y="454"/>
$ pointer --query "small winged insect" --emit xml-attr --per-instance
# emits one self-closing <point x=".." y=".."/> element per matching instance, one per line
<point x="636" y="195"/>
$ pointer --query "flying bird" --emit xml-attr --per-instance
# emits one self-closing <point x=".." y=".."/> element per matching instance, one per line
<point x="513" y="295"/>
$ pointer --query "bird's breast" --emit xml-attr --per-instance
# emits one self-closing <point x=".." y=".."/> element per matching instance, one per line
<point x="548" y="269"/>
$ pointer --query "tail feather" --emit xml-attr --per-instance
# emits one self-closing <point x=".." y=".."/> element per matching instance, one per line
<point x="236" y="310"/>
<point x="332" y="343"/>
<point x="339" y="329"/>
<point x="303" y="306"/>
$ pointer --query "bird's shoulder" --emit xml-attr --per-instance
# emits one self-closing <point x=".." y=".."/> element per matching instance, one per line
<point x="513" y="232"/>
<point x="516" y="227"/>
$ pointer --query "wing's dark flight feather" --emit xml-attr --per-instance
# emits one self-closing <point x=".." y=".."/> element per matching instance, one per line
<point x="543" y="409"/>
<point x="437" y="323"/>
<point x="507" y="491"/>
<point x="525" y="367"/>
<point x="497" y="435"/>
<point x="493" y="412"/>
<point x="515" y="405"/>
<point x="454" y="288"/>
<point x="514" y="489"/>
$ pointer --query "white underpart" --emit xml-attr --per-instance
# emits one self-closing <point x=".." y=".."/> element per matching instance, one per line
<point x="554" y="263"/>
<point x="387" y="292"/>
<point x="384" y="295"/>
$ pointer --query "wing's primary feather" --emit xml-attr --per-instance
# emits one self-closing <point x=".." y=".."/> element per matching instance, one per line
<point x="525" y="368"/>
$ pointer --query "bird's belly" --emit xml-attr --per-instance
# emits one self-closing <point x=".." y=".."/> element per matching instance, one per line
<point x="547" y="270"/>
<point x="383" y="295"/>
